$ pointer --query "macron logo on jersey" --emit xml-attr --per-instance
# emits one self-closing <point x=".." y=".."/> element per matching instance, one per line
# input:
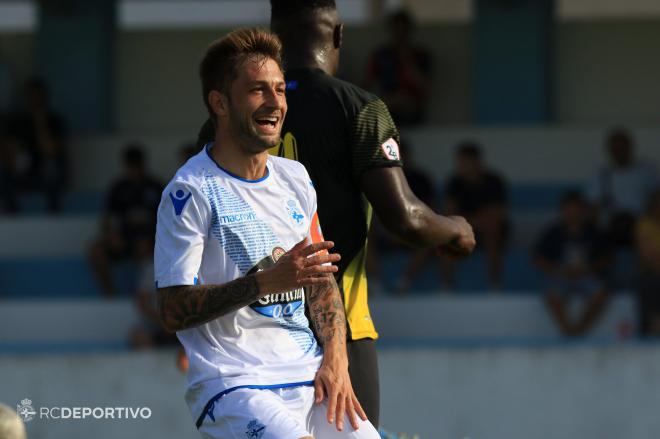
<point x="179" y="200"/>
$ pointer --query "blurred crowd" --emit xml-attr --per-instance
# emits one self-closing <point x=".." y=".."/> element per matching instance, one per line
<point x="616" y="212"/>
<point x="612" y="217"/>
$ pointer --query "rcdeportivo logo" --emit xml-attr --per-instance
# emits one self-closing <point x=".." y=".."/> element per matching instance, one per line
<point x="25" y="410"/>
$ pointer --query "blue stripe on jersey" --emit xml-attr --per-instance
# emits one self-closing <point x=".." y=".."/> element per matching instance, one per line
<point x="247" y="239"/>
<point x="300" y="331"/>
<point x="244" y="237"/>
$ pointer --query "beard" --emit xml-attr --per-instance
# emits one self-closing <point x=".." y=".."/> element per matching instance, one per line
<point x="246" y="133"/>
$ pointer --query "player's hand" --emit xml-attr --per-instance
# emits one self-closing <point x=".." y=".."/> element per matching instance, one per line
<point x="301" y="266"/>
<point x="333" y="382"/>
<point x="464" y="242"/>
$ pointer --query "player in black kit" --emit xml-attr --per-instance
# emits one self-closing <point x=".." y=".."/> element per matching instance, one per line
<point x="348" y="142"/>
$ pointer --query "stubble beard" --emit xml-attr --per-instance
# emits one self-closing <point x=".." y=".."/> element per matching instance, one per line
<point x="248" y="138"/>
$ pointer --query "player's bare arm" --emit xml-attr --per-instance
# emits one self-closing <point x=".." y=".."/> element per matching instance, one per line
<point x="332" y="379"/>
<point x="411" y="220"/>
<point x="187" y="306"/>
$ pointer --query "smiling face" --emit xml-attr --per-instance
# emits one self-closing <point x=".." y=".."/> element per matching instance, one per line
<point x="255" y="106"/>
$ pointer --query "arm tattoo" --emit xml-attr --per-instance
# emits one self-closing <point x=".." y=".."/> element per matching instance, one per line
<point x="327" y="311"/>
<point x="182" y="307"/>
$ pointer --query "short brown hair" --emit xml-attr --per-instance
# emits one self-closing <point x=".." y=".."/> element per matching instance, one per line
<point x="223" y="57"/>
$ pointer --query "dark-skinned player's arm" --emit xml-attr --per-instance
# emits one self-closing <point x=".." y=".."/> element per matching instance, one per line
<point x="411" y="220"/>
<point x="377" y="167"/>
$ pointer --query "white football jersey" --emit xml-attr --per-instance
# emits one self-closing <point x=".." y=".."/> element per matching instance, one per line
<point x="214" y="227"/>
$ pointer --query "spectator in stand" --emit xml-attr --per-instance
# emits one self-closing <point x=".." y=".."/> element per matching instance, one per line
<point x="647" y="234"/>
<point x="39" y="160"/>
<point x="399" y="72"/>
<point x="620" y="190"/>
<point x="150" y="332"/>
<point x="129" y="219"/>
<point x="480" y="195"/>
<point x="573" y="255"/>
<point x="8" y="171"/>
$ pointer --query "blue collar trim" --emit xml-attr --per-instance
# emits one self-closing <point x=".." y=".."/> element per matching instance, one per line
<point x="207" y="147"/>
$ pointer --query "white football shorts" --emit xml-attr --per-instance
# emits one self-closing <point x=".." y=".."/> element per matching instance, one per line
<point x="286" y="413"/>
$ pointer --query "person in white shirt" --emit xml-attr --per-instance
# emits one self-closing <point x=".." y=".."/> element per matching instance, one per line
<point x="620" y="190"/>
<point x="239" y="254"/>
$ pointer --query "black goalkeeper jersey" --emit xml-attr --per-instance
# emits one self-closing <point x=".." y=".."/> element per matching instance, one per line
<point x="338" y="131"/>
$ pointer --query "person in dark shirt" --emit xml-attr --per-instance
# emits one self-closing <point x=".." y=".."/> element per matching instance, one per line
<point x="573" y="256"/>
<point x="129" y="219"/>
<point x="8" y="171"/>
<point x="349" y="144"/>
<point x="400" y="71"/>
<point x="647" y="245"/>
<point x="480" y="195"/>
<point x="40" y="135"/>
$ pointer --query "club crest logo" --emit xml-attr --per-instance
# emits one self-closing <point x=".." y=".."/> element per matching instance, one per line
<point x="255" y="430"/>
<point x="179" y="200"/>
<point x="295" y="212"/>
<point x="25" y="410"/>
<point x="277" y="253"/>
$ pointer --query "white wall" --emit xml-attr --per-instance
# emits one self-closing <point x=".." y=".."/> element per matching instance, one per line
<point x="605" y="73"/>
<point x="571" y="392"/>
<point x="522" y="154"/>
<point x="528" y="154"/>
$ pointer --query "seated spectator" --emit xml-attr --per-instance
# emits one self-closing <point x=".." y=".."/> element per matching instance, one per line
<point x="39" y="160"/>
<point x="480" y="195"/>
<point x="647" y="235"/>
<point x="150" y="333"/>
<point x="620" y="190"/>
<point x="573" y="256"/>
<point x="129" y="218"/>
<point x="8" y="171"/>
<point x="399" y="72"/>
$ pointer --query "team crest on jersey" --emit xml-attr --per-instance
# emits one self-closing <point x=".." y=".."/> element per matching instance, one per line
<point x="179" y="200"/>
<point x="277" y="253"/>
<point x="254" y="430"/>
<point x="295" y="212"/>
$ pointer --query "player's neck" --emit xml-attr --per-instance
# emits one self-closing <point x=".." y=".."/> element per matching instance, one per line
<point x="231" y="157"/>
<point x="310" y="60"/>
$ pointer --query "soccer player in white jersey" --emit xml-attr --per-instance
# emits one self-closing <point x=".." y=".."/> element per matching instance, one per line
<point x="239" y="253"/>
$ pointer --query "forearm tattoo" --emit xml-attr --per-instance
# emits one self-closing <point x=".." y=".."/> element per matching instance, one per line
<point x="183" y="307"/>
<point x="327" y="311"/>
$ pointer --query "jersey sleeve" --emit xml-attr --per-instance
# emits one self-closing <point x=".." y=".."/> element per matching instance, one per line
<point x="375" y="139"/>
<point x="183" y="222"/>
<point x="315" y="233"/>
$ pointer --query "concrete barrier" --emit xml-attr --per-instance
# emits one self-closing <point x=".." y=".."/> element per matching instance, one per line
<point x="576" y="391"/>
